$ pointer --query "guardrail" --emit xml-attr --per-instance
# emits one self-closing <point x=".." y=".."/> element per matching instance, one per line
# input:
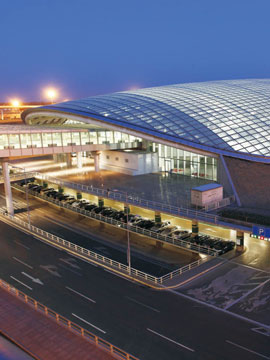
<point x="100" y="258"/>
<point x="119" y="224"/>
<point x="148" y="204"/>
<point x="221" y="203"/>
<point x="94" y="339"/>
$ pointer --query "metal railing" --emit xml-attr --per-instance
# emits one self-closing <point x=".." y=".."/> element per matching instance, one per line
<point x="148" y="204"/>
<point x="102" y="260"/>
<point x="221" y="203"/>
<point x="87" y="335"/>
<point x="120" y="224"/>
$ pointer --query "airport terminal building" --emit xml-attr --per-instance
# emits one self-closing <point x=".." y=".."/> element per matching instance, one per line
<point x="197" y="129"/>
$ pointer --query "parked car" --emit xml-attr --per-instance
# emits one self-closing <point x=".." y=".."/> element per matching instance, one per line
<point x="179" y="234"/>
<point x="46" y="190"/>
<point x="98" y="209"/>
<point x="90" y="207"/>
<point x="158" y="226"/>
<point x="167" y="230"/>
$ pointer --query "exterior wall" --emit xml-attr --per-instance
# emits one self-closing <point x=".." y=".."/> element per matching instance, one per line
<point x="131" y="163"/>
<point x="202" y="198"/>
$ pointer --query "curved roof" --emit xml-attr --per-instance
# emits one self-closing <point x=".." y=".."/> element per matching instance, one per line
<point x="221" y="116"/>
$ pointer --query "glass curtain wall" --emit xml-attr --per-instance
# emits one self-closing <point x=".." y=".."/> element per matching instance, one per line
<point x="185" y="162"/>
<point x="16" y="141"/>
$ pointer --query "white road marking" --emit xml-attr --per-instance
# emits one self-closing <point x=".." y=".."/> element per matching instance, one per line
<point x="244" y="348"/>
<point x="52" y="269"/>
<point x="254" y="261"/>
<point x="254" y="322"/>
<point x="247" y="266"/>
<point x="28" y="287"/>
<point x="246" y="294"/>
<point x="175" y="342"/>
<point x="35" y="280"/>
<point x="138" y="302"/>
<point x="262" y="331"/>
<point x="18" y="243"/>
<point x="71" y="262"/>
<point x="20" y="261"/>
<point x="76" y="292"/>
<point x="73" y="271"/>
<point x="95" y="327"/>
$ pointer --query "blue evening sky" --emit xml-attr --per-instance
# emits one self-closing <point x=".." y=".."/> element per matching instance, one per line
<point x="88" y="47"/>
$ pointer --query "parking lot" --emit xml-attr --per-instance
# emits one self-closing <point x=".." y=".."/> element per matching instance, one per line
<point x="162" y="230"/>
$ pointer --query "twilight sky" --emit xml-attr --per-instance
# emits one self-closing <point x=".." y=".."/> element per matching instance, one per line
<point x="89" y="47"/>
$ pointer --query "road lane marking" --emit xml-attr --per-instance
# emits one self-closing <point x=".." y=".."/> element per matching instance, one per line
<point x="246" y="294"/>
<point x="20" y="261"/>
<point x="52" y="269"/>
<point x="238" y="316"/>
<point x="35" y="280"/>
<point x="76" y="292"/>
<point x="251" y="351"/>
<point x="175" y="342"/>
<point x="71" y="262"/>
<point x="28" y="287"/>
<point x="262" y="331"/>
<point x="138" y="302"/>
<point x="18" y="243"/>
<point x="95" y="327"/>
<point x="73" y="271"/>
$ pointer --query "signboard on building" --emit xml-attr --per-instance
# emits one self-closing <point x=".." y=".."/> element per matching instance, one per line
<point x="261" y="232"/>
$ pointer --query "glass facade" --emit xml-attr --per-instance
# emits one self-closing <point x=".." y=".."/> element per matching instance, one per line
<point x="183" y="162"/>
<point x="226" y="115"/>
<point x="17" y="141"/>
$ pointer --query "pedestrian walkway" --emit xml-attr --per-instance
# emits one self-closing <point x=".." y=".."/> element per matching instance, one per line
<point x="41" y="337"/>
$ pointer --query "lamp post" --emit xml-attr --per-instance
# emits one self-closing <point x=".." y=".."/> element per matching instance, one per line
<point x="128" y="238"/>
<point x="128" y="233"/>
<point x="51" y="94"/>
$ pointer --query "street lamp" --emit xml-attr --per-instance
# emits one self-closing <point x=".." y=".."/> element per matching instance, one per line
<point x="128" y="233"/>
<point x="51" y="94"/>
<point x="15" y="103"/>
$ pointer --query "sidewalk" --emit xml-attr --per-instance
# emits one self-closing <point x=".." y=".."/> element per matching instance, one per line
<point x="41" y="337"/>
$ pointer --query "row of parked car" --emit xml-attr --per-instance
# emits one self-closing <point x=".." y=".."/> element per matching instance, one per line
<point x="164" y="228"/>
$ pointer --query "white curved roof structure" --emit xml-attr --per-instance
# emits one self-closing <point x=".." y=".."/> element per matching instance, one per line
<point x="229" y="117"/>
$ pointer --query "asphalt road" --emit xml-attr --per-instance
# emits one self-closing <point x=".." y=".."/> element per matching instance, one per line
<point x="150" y="324"/>
<point x="43" y="217"/>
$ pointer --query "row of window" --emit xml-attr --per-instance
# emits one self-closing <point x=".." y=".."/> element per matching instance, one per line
<point x="17" y="141"/>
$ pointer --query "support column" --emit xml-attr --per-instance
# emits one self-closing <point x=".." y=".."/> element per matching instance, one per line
<point x="195" y="228"/>
<point x="240" y="240"/>
<point x="79" y="160"/>
<point x="69" y="160"/>
<point x="96" y="161"/>
<point x="7" y="188"/>
<point x="100" y="202"/>
<point x="157" y="217"/>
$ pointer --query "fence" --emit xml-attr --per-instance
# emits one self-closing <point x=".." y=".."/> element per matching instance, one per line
<point x="103" y="344"/>
<point x="102" y="260"/>
<point x="218" y="204"/>
<point x="119" y="224"/>
<point x="148" y="204"/>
